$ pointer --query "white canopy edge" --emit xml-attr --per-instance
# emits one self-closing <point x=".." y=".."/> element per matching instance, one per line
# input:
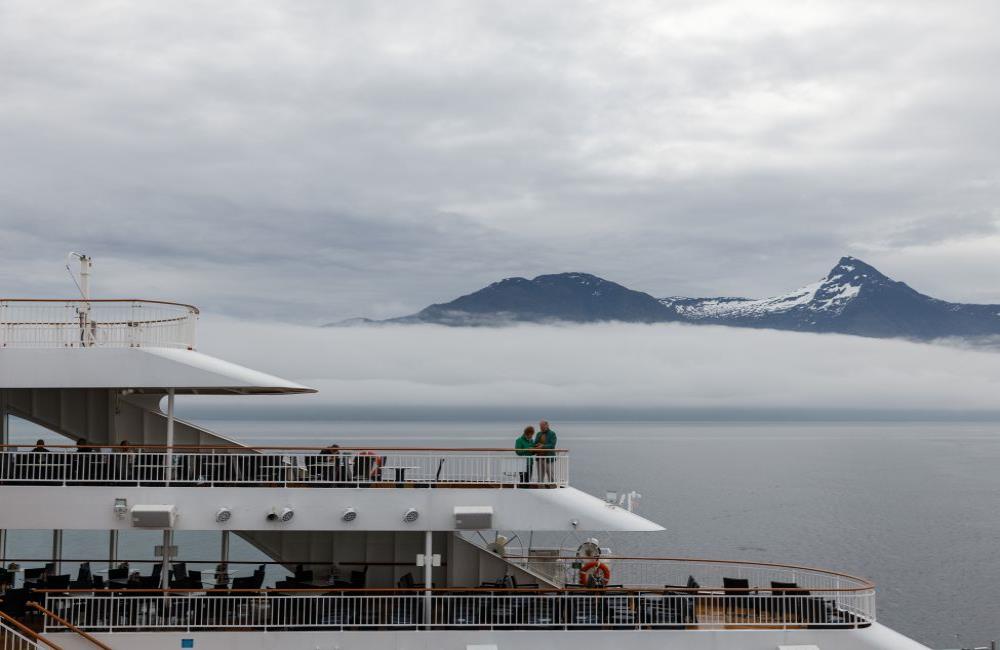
<point x="147" y="369"/>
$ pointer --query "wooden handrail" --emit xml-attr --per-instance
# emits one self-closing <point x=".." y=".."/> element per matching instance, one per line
<point x="55" y="617"/>
<point x="27" y="631"/>
<point x="139" y="448"/>
<point x="867" y="584"/>
<point x="140" y="591"/>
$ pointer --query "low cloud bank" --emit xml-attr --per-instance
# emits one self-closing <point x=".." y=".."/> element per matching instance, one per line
<point x="613" y="366"/>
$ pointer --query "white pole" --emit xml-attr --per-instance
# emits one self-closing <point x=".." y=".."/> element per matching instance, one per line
<point x="4" y="440"/>
<point x="57" y="550"/>
<point x="170" y="434"/>
<point x="5" y="418"/>
<point x="165" y="567"/>
<point x="85" y="276"/>
<point x="224" y="556"/>
<point x="428" y="573"/>
<point x="88" y="334"/>
<point x="112" y="548"/>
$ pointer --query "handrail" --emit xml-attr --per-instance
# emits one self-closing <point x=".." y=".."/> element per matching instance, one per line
<point x="27" y="631"/>
<point x="866" y="584"/>
<point x="378" y="609"/>
<point x="67" y="625"/>
<point x="102" y="323"/>
<point x="104" y="300"/>
<point x="139" y="447"/>
<point x="264" y="591"/>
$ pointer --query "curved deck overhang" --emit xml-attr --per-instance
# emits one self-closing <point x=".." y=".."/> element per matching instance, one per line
<point x="378" y="509"/>
<point x="139" y="369"/>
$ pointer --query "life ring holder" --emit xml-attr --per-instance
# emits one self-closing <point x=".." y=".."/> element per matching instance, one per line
<point x="593" y="567"/>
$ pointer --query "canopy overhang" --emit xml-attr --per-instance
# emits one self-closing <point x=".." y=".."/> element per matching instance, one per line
<point x="141" y="370"/>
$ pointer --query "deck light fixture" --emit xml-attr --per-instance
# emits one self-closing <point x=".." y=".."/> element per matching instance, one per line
<point x="284" y="515"/>
<point x="349" y="515"/>
<point x="223" y="515"/>
<point x="411" y="515"/>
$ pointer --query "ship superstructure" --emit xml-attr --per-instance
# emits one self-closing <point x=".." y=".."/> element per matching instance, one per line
<point x="367" y="547"/>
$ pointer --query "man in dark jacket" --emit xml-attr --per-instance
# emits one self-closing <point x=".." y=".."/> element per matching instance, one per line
<point x="545" y="440"/>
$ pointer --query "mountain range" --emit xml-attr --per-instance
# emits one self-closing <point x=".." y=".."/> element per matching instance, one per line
<point x="853" y="298"/>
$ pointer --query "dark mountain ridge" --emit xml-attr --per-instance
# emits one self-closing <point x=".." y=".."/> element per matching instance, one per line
<point x="853" y="298"/>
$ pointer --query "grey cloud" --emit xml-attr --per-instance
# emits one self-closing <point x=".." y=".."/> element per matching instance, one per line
<point x="322" y="160"/>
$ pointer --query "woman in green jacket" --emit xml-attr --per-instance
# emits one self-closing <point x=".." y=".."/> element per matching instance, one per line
<point x="525" y="446"/>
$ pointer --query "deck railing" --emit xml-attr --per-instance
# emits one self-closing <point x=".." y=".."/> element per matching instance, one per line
<point x="15" y="635"/>
<point x="281" y="467"/>
<point x="697" y="575"/>
<point x="636" y="572"/>
<point x="96" y="323"/>
<point x="370" y="609"/>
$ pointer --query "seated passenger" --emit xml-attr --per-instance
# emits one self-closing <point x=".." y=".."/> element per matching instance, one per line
<point x="39" y="446"/>
<point x="368" y="466"/>
<point x="331" y="470"/>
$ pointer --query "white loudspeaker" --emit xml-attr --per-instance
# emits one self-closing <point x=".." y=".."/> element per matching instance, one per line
<point x="154" y="516"/>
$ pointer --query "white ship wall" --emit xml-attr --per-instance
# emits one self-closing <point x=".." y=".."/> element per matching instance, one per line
<point x="876" y="637"/>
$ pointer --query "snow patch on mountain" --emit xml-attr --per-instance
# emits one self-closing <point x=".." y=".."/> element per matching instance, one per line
<point x="830" y="296"/>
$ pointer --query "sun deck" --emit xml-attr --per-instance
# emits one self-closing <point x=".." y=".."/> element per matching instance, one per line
<point x="772" y="597"/>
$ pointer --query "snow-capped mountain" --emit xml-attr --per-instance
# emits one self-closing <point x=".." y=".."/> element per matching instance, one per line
<point x="853" y="298"/>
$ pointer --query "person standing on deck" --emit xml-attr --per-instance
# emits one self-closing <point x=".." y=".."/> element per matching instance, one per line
<point x="525" y="446"/>
<point x="545" y="440"/>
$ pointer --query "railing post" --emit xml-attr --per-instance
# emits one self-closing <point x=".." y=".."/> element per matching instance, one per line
<point x="428" y="574"/>
<point x="170" y="434"/>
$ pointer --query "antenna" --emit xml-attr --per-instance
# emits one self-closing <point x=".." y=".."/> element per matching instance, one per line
<point x="87" y="327"/>
<point x="83" y="286"/>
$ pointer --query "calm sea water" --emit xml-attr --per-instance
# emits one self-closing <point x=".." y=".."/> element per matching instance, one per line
<point x="915" y="507"/>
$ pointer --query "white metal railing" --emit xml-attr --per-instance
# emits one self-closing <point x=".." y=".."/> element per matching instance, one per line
<point x="115" y="611"/>
<point x="281" y="467"/>
<point x="11" y="638"/>
<point x="762" y="579"/>
<point x="96" y="323"/>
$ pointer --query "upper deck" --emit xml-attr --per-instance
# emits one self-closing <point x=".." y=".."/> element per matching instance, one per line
<point x="34" y="323"/>
<point x="277" y="467"/>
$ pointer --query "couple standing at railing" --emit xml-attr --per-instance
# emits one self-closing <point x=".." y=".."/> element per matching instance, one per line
<point x="537" y="447"/>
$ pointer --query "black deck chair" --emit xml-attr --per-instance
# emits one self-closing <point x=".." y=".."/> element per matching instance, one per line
<point x="359" y="578"/>
<point x="739" y="596"/>
<point x="117" y="575"/>
<point x="33" y="575"/>
<point x="57" y="582"/>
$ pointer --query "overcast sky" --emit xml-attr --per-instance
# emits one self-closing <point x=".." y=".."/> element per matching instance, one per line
<point x="308" y="161"/>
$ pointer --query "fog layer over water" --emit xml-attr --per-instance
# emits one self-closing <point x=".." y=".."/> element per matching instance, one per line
<point x="605" y="365"/>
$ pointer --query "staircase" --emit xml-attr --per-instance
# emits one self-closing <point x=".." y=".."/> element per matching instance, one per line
<point x="16" y="636"/>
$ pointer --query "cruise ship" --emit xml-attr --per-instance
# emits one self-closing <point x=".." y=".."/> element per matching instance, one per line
<point x="370" y="548"/>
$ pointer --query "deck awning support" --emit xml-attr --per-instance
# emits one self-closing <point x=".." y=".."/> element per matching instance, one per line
<point x="112" y="548"/>
<point x="428" y="573"/>
<point x="57" y="544"/>
<point x="170" y="433"/>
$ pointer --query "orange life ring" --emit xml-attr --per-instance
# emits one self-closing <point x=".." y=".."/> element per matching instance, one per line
<point x="592" y="567"/>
